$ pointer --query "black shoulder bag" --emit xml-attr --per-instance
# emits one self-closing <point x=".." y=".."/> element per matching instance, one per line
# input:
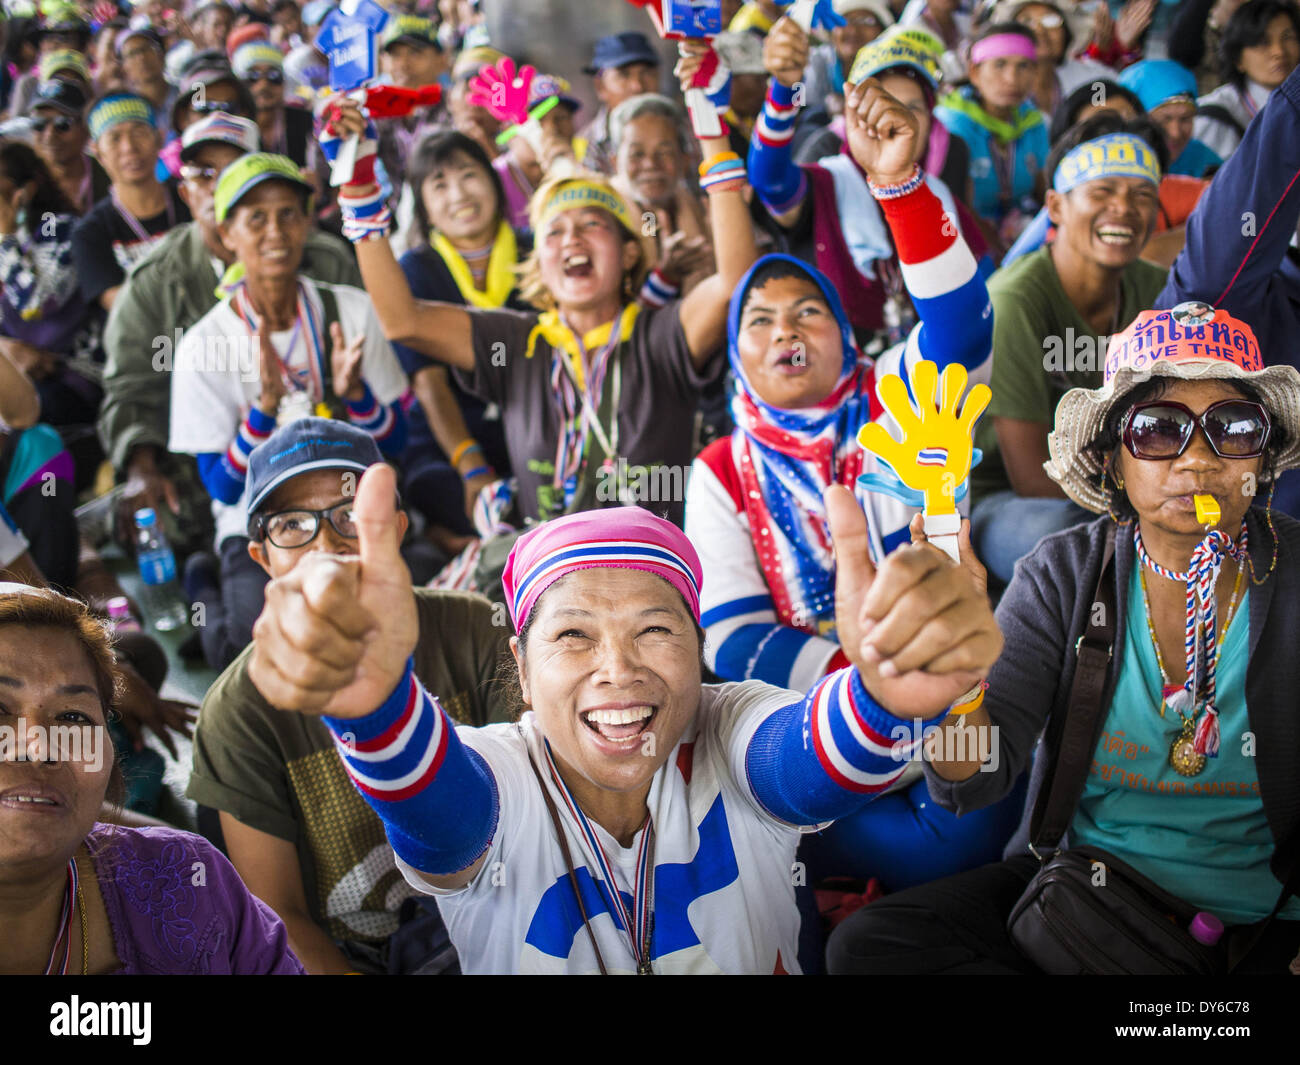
<point x="1085" y="911"/>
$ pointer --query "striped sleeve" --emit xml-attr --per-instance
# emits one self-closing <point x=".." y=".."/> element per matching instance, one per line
<point x="658" y="291"/>
<point x="779" y="182"/>
<point x="223" y="475"/>
<point x="826" y="757"/>
<point x="386" y="423"/>
<point x="743" y="638"/>
<point x="947" y="290"/>
<point x="436" y="797"/>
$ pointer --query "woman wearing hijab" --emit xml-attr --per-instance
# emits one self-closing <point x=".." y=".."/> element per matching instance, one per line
<point x="755" y="506"/>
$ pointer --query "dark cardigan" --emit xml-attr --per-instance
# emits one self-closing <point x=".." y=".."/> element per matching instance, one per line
<point x="1043" y="614"/>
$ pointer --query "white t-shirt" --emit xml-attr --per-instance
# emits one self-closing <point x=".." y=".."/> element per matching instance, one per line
<point x="216" y="378"/>
<point x="724" y="867"/>
<point x="12" y="541"/>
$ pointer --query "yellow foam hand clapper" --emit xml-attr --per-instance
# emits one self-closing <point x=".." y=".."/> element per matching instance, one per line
<point x="934" y="456"/>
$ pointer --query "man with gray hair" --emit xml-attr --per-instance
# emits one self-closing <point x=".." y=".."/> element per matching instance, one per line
<point x="653" y="158"/>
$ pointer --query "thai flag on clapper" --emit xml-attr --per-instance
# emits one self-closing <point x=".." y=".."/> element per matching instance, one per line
<point x="932" y="456"/>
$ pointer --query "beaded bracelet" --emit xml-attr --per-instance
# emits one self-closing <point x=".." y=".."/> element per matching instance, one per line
<point x="366" y="217"/>
<point x="904" y="188"/>
<point x="477" y="471"/>
<point x="463" y="448"/>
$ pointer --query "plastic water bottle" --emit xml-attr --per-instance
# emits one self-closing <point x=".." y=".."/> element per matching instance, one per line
<point x="162" y="595"/>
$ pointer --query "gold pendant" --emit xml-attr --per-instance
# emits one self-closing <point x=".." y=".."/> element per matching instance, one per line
<point x="1182" y="752"/>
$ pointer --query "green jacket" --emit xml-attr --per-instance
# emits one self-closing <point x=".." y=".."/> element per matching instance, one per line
<point x="168" y="291"/>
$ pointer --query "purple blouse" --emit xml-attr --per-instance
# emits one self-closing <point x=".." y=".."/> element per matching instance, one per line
<point x="176" y="906"/>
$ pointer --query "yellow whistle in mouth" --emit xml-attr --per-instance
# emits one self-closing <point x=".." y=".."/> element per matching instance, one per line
<point x="1207" y="509"/>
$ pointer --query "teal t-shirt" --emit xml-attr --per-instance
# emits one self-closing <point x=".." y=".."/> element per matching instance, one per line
<point x="1204" y="838"/>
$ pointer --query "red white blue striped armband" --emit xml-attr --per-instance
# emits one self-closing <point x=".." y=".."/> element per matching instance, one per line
<point x="366" y="217"/>
<point x="658" y="290"/>
<point x="436" y="797"/>
<point x="825" y="757"/>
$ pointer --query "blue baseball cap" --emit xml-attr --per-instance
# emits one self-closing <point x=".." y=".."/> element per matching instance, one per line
<point x="620" y="50"/>
<point x="1159" y="81"/>
<point x="305" y="445"/>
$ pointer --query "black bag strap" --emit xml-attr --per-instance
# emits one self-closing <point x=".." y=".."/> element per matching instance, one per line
<point x="330" y="308"/>
<point x="1061" y="789"/>
<point x="568" y="857"/>
<point x="1219" y="113"/>
<point x="1069" y="768"/>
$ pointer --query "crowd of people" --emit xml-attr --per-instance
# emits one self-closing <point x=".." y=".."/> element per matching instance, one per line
<point x="513" y="466"/>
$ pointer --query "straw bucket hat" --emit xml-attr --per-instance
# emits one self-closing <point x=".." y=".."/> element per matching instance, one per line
<point x="1192" y="342"/>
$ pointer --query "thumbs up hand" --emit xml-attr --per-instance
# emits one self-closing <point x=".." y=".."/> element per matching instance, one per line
<point x="918" y="628"/>
<point x="336" y="631"/>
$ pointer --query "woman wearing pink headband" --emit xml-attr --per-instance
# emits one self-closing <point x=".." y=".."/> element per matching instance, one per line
<point x="635" y="819"/>
<point x="1006" y="135"/>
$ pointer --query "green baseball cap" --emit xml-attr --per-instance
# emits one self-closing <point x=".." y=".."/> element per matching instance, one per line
<point x="410" y="29"/>
<point x="249" y="171"/>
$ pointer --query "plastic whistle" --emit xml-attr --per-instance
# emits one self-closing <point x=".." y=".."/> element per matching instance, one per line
<point x="1207" y="510"/>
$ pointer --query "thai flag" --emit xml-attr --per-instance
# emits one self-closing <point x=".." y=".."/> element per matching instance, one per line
<point x="932" y="456"/>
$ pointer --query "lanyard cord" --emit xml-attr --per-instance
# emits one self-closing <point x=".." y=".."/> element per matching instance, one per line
<point x="135" y="225"/>
<point x="639" y="925"/>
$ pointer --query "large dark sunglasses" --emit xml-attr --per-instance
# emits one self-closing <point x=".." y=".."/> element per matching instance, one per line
<point x="62" y="124"/>
<point x="275" y="77"/>
<point x="1235" y="428"/>
<point x="290" y="529"/>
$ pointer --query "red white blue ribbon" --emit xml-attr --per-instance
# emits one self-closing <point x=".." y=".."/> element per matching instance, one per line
<point x="64" y="934"/>
<point x="639" y="925"/>
<point x="1200" y="637"/>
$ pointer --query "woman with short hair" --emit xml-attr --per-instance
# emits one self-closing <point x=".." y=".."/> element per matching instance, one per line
<point x="83" y="897"/>
<point x="592" y="385"/>
<point x="635" y="820"/>
<point x="1259" y="48"/>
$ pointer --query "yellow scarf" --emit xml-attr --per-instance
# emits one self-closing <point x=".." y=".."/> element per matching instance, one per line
<point x="500" y="271"/>
<point x="551" y="329"/>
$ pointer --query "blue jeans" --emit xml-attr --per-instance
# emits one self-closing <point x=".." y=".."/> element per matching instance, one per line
<point x="1005" y="527"/>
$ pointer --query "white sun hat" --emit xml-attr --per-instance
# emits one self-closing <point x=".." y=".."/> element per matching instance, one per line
<point x="1192" y="342"/>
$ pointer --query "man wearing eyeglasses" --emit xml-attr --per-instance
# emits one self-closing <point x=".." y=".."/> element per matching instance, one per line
<point x="60" y="136"/>
<point x="294" y="826"/>
<point x="176" y="286"/>
<point x="285" y="130"/>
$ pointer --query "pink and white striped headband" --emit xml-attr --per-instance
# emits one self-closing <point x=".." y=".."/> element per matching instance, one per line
<point x="618" y="537"/>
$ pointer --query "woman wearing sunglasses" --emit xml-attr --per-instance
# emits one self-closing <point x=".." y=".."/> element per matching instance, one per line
<point x="1195" y="776"/>
<point x="285" y="130"/>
